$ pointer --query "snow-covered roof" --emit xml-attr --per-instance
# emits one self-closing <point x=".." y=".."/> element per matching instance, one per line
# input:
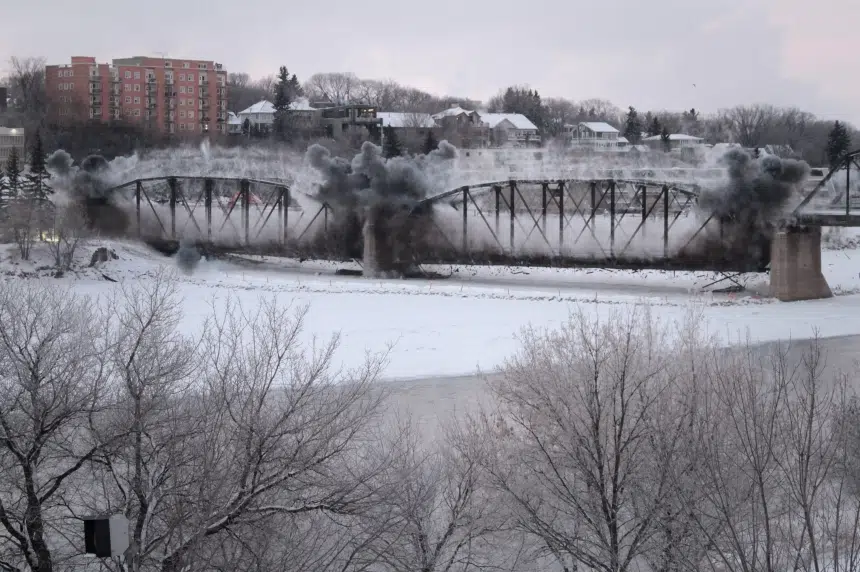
<point x="599" y="127"/>
<point x="518" y="120"/>
<point x="452" y="111"/>
<point x="262" y="106"/>
<point x="622" y="139"/>
<point x="674" y="137"/>
<point x="233" y="119"/>
<point x="11" y="131"/>
<point x="267" y="107"/>
<point x="400" y="119"/>
<point x="302" y="104"/>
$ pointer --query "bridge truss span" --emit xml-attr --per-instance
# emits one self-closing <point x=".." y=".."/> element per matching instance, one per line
<point x="594" y="222"/>
<point x="225" y="211"/>
<point x="835" y="199"/>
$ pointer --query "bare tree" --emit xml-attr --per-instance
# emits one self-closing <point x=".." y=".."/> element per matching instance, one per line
<point x="52" y="381"/>
<point x="749" y="124"/>
<point x="283" y="430"/>
<point x="436" y="514"/>
<point x="27" y="84"/>
<point x="336" y="88"/>
<point x="69" y="230"/>
<point x="582" y="409"/>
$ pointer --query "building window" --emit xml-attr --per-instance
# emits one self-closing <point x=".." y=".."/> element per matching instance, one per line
<point x="168" y="64"/>
<point x="60" y="73"/>
<point x="182" y="114"/>
<point x="127" y="74"/>
<point x="190" y="89"/>
<point x="190" y="115"/>
<point x="136" y="75"/>
<point x="137" y="87"/>
<point x="136" y="100"/>
<point x="182" y="103"/>
<point x="71" y="86"/>
<point x="191" y="102"/>
<point x="128" y="99"/>
<point x="182" y="77"/>
<point x="181" y="89"/>
<point x="182" y="127"/>
<point x="128" y="87"/>
<point x="186" y="65"/>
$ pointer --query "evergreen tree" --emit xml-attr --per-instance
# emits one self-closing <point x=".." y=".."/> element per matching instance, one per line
<point x="287" y="89"/>
<point x="391" y="144"/>
<point x="4" y="189"/>
<point x="665" y="140"/>
<point x="13" y="173"/>
<point x="838" y="143"/>
<point x="35" y="181"/>
<point x="246" y="127"/>
<point x="654" y="128"/>
<point x="430" y="142"/>
<point x="633" y="127"/>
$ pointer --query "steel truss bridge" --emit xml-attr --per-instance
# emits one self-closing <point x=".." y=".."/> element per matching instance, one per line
<point x="615" y="222"/>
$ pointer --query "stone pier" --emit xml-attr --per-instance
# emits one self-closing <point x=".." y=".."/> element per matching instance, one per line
<point x="795" y="265"/>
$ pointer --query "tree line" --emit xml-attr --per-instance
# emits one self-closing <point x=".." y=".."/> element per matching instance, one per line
<point x="794" y="131"/>
<point x="608" y="444"/>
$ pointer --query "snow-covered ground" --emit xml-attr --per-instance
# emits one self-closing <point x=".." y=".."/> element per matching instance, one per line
<point x="470" y="320"/>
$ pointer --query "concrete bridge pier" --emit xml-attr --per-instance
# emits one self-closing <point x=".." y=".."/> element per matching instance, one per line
<point x="795" y="265"/>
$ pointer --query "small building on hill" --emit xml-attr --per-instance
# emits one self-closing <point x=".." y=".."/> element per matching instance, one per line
<point x="513" y="129"/>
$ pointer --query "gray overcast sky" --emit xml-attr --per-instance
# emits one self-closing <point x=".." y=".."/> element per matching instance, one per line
<point x="645" y="53"/>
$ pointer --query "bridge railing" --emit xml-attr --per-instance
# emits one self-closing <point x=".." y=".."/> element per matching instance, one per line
<point x="835" y="200"/>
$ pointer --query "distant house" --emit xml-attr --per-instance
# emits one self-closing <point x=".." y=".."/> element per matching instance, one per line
<point x="465" y="125"/>
<point x="408" y="125"/>
<point x="595" y="134"/>
<point x="676" y="141"/>
<point x="338" y="120"/>
<point x="234" y="124"/>
<point x="11" y="138"/>
<point x="456" y="116"/>
<point x="262" y="114"/>
<point x="512" y="128"/>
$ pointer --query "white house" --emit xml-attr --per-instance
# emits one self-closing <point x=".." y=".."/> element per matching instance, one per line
<point x="596" y="134"/>
<point x="513" y="128"/>
<point x="234" y="124"/>
<point x="262" y="113"/>
<point x="676" y="141"/>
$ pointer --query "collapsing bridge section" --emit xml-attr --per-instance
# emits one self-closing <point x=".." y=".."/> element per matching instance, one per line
<point x="622" y="223"/>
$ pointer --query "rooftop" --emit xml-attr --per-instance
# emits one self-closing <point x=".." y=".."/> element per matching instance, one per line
<point x="400" y="119"/>
<point x="599" y="127"/>
<point x="11" y="131"/>
<point x="518" y="120"/>
<point x="674" y="137"/>
<point x="451" y="112"/>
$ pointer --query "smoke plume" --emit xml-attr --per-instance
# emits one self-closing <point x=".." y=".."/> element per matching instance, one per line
<point x="748" y="202"/>
<point x="370" y="179"/>
<point x="187" y="257"/>
<point x="756" y="190"/>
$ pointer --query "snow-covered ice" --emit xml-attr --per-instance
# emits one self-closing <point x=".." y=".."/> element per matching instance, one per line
<point x="454" y="326"/>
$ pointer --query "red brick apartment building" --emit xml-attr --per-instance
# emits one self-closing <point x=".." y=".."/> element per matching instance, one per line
<point x="168" y="95"/>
